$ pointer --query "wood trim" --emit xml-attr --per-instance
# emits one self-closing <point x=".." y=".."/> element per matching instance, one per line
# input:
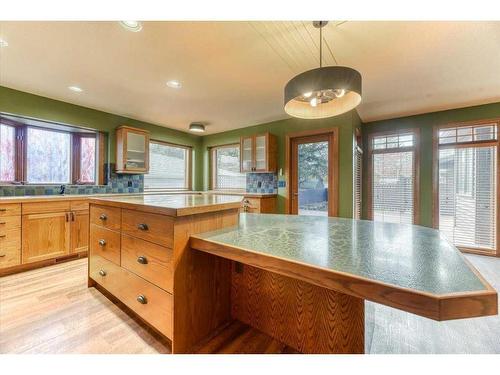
<point x="435" y="175"/>
<point x="416" y="168"/>
<point x="437" y="307"/>
<point x="102" y="156"/>
<point x="333" y="161"/>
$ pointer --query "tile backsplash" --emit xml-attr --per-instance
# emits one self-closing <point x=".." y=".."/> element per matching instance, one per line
<point x="262" y="183"/>
<point x="118" y="183"/>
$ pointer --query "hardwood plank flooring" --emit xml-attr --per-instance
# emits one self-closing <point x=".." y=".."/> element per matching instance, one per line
<point x="51" y="310"/>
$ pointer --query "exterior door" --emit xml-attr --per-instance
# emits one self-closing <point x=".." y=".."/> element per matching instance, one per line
<point x="312" y="175"/>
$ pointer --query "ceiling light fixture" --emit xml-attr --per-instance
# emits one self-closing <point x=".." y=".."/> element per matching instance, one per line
<point x="75" y="88"/>
<point x="174" y="84"/>
<point x="3" y="43"/>
<point x="325" y="91"/>
<point x="197" y="127"/>
<point x="134" y="26"/>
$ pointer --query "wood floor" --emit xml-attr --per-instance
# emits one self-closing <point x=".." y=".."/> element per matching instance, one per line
<point x="51" y="310"/>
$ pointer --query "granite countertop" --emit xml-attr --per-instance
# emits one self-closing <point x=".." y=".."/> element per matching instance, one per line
<point x="173" y="204"/>
<point x="406" y="256"/>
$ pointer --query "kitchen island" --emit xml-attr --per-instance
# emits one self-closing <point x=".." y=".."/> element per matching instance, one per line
<point x="189" y="265"/>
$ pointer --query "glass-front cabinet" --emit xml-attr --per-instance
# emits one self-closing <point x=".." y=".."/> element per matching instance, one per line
<point x="132" y="150"/>
<point x="258" y="153"/>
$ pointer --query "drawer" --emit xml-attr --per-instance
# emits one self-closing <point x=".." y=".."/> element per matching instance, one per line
<point x="250" y="210"/>
<point x="10" y="241"/>
<point x="105" y="243"/>
<point x="10" y="209"/>
<point x="151" y="227"/>
<point x="251" y="202"/>
<point x="148" y="260"/>
<point x="45" y="207"/>
<point x="157" y="305"/>
<point x="79" y="205"/>
<point x="107" y="217"/>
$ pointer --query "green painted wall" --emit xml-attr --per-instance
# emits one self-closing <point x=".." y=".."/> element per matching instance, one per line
<point x="345" y="123"/>
<point x="425" y="123"/>
<point x="39" y="107"/>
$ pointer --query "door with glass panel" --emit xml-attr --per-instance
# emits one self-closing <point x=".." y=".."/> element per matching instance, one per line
<point x="467" y="186"/>
<point x="311" y="175"/>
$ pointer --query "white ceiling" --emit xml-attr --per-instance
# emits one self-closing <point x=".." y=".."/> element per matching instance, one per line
<point x="233" y="73"/>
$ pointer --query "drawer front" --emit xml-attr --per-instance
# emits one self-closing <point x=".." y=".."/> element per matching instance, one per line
<point x="151" y="227"/>
<point x="10" y="241"/>
<point x="79" y="205"/>
<point x="105" y="243"/>
<point x="107" y="217"/>
<point x="10" y="209"/>
<point x="156" y="307"/>
<point x="150" y="261"/>
<point x="45" y="207"/>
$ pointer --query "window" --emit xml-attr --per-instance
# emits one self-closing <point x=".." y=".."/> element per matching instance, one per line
<point x="169" y="166"/>
<point x="393" y="161"/>
<point x="226" y="168"/>
<point x="7" y="153"/>
<point x="467" y="185"/>
<point x="50" y="155"/>
<point x="358" y="182"/>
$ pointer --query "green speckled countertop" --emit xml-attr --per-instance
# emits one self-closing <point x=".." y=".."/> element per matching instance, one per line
<point x="405" y="256"/>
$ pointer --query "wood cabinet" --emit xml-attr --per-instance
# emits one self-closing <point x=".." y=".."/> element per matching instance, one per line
<point x="132" y="150"/>
<point x="45" y="236"/>
<point x="262" y="205"/>
<point x="10" y="235"/>
<point x="258" y="153"/>
<point x="79" y="231"/>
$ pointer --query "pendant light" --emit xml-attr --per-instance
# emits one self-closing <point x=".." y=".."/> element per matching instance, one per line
<point x="325" y="91"/>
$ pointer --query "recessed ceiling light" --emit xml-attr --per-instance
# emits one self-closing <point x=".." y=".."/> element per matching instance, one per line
<point x="197" y="127"/>
<point x="3" y="43"/>
<point x="174" y="84"/>
<point x="134" y="26"/>
<point x="75" y="88"/>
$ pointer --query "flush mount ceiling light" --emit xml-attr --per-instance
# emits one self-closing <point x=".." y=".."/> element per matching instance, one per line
<point x="173" y="83"/>
<point x="134" y="26"/>
<point x="3" y="43"/>
<point x="75" y="88"/>
<point x="197" y="127"/>
<point x="323" y="92"/>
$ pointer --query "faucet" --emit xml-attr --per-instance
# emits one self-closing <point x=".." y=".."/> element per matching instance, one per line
<point x="62" y="188"/>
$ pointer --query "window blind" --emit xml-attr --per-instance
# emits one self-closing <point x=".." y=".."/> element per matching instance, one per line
<point x="468" y="188"/>
<point x="358" y="164"/>
<point x="168" y="167"/>
<point x="226" y="168"/>
<point x="393" y="178"/>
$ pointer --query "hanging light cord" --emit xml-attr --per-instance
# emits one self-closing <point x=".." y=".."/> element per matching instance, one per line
<point x="321" y="47"/>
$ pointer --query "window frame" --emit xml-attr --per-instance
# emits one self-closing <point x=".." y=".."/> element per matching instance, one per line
<point x="436" y="146"/>
<point x="189" y="165"/>
<point x="416" y="167"/>
<point x="21" y="150"/>
<point x="213" y="166"/>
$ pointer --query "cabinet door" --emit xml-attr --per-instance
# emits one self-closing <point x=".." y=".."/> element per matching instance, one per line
<point x="261" y="153"/>
<point x="45" y="236"/>
<point x="79" y="231"/>
<point x="247" y="154"/>
<point x="136" y="151"/>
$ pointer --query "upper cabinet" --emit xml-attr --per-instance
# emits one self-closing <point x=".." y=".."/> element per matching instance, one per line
<point x="132" y="150"/>
<point x="258" y="153"/>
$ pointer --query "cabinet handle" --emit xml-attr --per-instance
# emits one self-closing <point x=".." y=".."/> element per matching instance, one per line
<point x="3" y="222"/>
<point x="72" y="216"/>
<point x="2" y="255"/>
<point x="2" y="235"/>
<point x="142" y="299"/>
<point x="103" y="217"/>
<point x="102" y="242"/>
<point x="3" y="209"/>
<point x="66" y="215"/>
<point x="143" y="226"/>
<point x="142" y="260"/>
<point x="102" y="273"/>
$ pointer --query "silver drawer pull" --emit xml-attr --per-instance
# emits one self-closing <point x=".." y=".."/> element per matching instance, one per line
<point x="142" y="299"/>
<point x="102" y="273"/>
<point x="143" y="226"/>
<point x="102" y="242"/>
<point x="142" y="260"/>
<point x="103" y="217"/>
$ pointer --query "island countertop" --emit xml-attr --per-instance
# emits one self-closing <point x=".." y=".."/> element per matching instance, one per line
<point x="409" y="267"/>
<point x="173" y="204"/>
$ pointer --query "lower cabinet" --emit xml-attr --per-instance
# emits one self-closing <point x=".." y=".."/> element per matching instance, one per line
<point x="45" y="236"/>
<point x="10" y="235"/>
<point x="79" y="231"/>
<point x="264" y="205"/>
